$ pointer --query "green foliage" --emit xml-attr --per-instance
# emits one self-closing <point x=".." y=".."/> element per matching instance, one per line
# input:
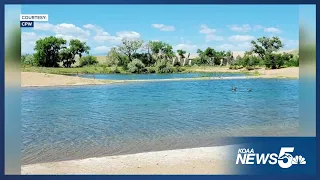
<point x="88" y="61"/>
<point x="151" y="69"/>
<point x="77" y="47"/>
<point x="115" y="58"/>
<point x="28" y="60"/>
<point x="145" y="58"/>
<point x="67" y="57"/>
<point x="136" y="66"/>
<point x="130" y="47"/>
<point x="181" y="53"/>
<point x="47" y="51"/>
<point x="163" y="66"/>
<point x="264" y="46"/>
<point x="293" y="62"/>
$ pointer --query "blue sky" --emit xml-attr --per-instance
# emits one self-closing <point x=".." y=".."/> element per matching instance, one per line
<point x="188" y="27"/>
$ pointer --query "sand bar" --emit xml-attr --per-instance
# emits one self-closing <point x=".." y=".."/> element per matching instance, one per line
<point x="33" y="79"/>
<point x="204" y="160"/>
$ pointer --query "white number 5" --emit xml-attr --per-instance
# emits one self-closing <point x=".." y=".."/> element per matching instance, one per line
<point x="284" y="154"/>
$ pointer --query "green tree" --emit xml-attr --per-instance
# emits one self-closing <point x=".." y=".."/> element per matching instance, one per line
<point x="78" y="48"/>
<point x="28" y="59"/>
<point x="47" y="51"/>
<point x="181" y="53"/>
<point x="136" y="66"/>
<point x="67" y="57"/>
<point x="88" y="60"/>
<point x="210" y="54"/>
<point x="167" y="51"/>
<point x="130" y="47"/>
<point x="265" y="45"/>
<point x="156" y="47"/>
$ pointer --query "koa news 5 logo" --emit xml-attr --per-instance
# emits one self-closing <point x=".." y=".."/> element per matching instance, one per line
<point x="284" y="159"/>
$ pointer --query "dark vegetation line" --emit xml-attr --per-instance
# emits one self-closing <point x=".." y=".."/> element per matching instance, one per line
<point x="135" y="56"/>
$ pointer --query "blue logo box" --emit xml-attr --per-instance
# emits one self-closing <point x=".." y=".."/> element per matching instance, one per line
<point x="26" y="23"/>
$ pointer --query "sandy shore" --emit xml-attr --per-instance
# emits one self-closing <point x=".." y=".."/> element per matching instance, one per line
<point x="33" y="79"/>
<point x="205" y="160"/>
<point x="292" y="72"/>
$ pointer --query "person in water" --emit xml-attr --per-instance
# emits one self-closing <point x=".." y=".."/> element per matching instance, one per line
<point x="249" y="90"/>
<point x="234" y="88"/>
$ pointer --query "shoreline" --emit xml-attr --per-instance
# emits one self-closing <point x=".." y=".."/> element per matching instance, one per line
<point x="34" y="79"/>
<point x="203" y="160"/>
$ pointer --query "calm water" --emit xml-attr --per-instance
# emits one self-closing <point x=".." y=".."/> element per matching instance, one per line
<point x="62" y="123"/>
<point x="156" y="76"/>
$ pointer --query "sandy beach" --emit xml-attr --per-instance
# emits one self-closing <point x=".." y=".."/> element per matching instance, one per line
<point x="204" y="160"/>
<point x="34" y="79"/>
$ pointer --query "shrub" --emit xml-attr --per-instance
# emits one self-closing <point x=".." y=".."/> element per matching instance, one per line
<point x="293" y="62"/>
<point x="88" y="60"/>
<point x="177" y="64"/>
<point x="114" y="69"/>
<point x="28" y="59"/>
<point x="136" y="66"/>
<point x="164" y="66"/>
<point x="250" y="68"/>
<point x="151" y="69"/>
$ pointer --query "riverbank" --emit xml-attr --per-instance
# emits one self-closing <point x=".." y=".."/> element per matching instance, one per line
<point x="204" y="160"/>
<point x="35" y="79"/>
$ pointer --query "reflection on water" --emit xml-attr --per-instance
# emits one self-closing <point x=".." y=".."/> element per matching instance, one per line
<point x="156" y="76"/>
<point x="61" y="123"/>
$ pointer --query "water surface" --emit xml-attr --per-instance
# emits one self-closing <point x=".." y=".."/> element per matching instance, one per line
<point x="156" y="76"/>
<point x="62" y="123"/>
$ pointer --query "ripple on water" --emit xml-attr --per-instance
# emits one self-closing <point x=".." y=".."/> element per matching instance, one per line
<point x="80" y="122"/>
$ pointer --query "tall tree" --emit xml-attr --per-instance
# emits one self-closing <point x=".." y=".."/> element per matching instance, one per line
<point x="77" y="47"/>
<point x="47" y="51"/>
<point x="167" y="51"/>
<point x="130" y="47"/>
<point x="67" y="57"/>
<point x="156" y="47"/>
<point x="181" y="53"/>
<point x="265" y="46"/>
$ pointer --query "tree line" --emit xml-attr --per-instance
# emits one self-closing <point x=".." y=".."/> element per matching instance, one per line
<point x="135" y="56"/>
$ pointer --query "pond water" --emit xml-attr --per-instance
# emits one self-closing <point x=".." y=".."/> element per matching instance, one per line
<point x="156" y="76"/>
<point x="62" y="123"/>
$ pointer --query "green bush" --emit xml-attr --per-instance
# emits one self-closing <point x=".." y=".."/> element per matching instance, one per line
<point x="28" y="60"/>
<point x="88" y="60"/>
<point x="151" y="69"/>
<point x="164" y="66"/>
<point x="235" y="67"/>
<point x="136" y="66"/>
<point x="250" y="68"/>
<point x="293" y="62"/>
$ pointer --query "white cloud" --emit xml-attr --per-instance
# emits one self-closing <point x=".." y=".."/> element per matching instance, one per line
<point x="69" y="37"/>
<point x="186" y="47"/>
<point x="63" y="30"/>
<point x="103" y="36"/>
<point x="28" y="41"/>
<point x="204" y="29"/>
<point x="102" y="49"/>
<point x="257" y="27"/>
<point x="128" y="34"/>
<point x="213" y="37"/>
<point x="235" y="47"/>
<point x="163" y="27"/>
<point x="106" y="37"/>
<point x="240" y="28"/>
<point x="238" y="38"/>
<point x="93" y="27"/>
<point x="210" y="33"/>
<point x="272" y="30"/>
